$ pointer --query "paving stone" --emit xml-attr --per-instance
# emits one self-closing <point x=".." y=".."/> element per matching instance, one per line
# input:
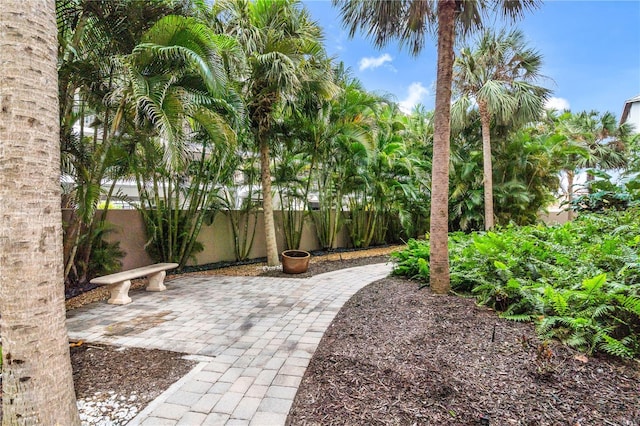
<point x="274" y="363"/>
<point x="192" y="419"/>
<point x="181" y="397"/>
<point x="260" y="331"/>
<point x="283" y="392"/>
<point x="273" y="419"/>
<point x="298" y="362"/>
<point x="157" y="421"/>
<point x="246" y="408"/>
<point x="292" y="370"/>
<point x="265" y="377"/>
<point x="216" y="419"/>
<point x="257" y="391"/>
<point x="206" y="403"/>
<point x="242" y="384"/>
<point x="237" y="422"/>
<point x="289" y="381"/>
<point x="216" y="367"/>
<point x="207" y="376"/>
<point x="170" y="411"/>
<point x="231" y="375"/>
<point x="220" y="387"/>
<point x="275" y="405"/>
<point x="228" y="403"/>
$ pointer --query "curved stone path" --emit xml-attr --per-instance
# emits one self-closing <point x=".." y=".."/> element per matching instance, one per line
<point x="253" y="338"/>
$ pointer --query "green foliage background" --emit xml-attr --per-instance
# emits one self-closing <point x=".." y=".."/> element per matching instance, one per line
<point x="580" y="282"/>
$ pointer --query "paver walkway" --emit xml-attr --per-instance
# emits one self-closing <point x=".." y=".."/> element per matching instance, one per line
<point x="253" y="336"/>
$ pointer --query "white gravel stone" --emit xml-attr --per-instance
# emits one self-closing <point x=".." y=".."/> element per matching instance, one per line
<point x="107" y="410"/>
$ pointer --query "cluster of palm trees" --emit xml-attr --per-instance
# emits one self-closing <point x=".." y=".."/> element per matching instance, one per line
<point x="180" y="96"/>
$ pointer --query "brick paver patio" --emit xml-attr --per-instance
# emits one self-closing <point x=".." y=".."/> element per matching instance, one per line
<point x="253" y="338"/>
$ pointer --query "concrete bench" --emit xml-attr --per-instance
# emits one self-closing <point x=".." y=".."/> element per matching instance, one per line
<point x="120" y="282"/>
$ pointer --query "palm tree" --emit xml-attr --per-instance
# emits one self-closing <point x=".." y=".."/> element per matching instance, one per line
<point x="283" y="50"/>
<point x="37" y="382"/>
<point x="499" y="75"/>
<point x="91" y="34"/>
<point x="408" y="21"/>
<point x="592" y="141"/>
<point x="175" y="87"/>
<point x="602" y="136"/>
<point x="330" y="130"/>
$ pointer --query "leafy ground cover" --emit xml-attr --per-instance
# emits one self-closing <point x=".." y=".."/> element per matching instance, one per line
<point x="579" y="283"/>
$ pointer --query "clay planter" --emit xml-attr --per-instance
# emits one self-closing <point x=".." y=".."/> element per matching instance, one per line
<point x="295" y="261"/>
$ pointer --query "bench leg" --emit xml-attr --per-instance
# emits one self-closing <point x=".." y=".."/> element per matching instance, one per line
<point x="156" y="282"/>
<point x="120" y="293"/>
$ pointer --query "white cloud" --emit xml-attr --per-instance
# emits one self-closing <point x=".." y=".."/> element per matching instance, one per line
<point x="372" y="62"/>
<point x="417" y="93"/>
<point x="559" y="104"/>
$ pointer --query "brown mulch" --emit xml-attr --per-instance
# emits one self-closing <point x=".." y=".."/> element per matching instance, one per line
<point x="145" y="373"/>
<point x="399" y="355"/>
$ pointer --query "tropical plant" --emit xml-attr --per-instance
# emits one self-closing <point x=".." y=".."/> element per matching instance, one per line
<point x="327" y="130"/>
<point x="292" y="186"/>
<point x="413" y="191"/>
<point x="499" y="74"/>
<point x="526" y="169"/>
<point x="602" y="195"/>
<point x="241" y="201"/>
<point x="174" y="203"/>
<point x="284" y="54"/>
<point x="175" y="87"/>
<point x="378" y="184"/>
<point x="408" y="21"/>
<point x="599" y="142"/>
<point x="37" y="381"/>
<point x="578" y="282"/>
<point x="93" y="143"/>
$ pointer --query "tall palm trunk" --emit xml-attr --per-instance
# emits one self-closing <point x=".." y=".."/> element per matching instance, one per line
<point x="570" y="179"/>
<point x="267" y="203"/>
<point x="37" y="384"/>
<point x="439" y="226"/>
<point x="485" y="120"/>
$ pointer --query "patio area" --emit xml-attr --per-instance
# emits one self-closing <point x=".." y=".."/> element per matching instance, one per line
<point x="253" y="338"/>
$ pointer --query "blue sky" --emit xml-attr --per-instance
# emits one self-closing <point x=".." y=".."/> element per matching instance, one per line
<point x="591" y="54"/>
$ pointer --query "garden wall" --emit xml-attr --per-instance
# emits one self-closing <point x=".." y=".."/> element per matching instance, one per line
<point x="217" y="238"/>
<point x="555" y="217"/>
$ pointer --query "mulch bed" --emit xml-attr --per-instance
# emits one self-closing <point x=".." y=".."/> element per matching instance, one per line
<point x="145" y="373"/>
<point x="138" y="375"/>
<point x="399" y="355"/>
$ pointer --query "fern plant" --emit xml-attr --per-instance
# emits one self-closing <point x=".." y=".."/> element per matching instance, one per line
<point x="580" y="282"/>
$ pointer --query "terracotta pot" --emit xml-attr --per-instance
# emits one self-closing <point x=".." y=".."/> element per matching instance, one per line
<point x="295" y="261"/>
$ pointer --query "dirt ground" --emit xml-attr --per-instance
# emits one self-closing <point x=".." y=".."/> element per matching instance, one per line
<point x="399" y="355"/>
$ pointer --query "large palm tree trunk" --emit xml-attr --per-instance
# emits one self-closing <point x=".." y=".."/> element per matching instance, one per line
<point x="37" y="383"/>
<point x="485" y="120"/>
<point x="570" y="178"/>
<point x="439" y="250"/>
<point x="267" y="205"/>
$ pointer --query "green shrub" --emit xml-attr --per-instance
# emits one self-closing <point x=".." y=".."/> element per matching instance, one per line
<point x="579" y="282"/>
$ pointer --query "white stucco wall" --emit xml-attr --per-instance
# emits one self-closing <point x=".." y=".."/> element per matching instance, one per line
<point x="634" y="116"/>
